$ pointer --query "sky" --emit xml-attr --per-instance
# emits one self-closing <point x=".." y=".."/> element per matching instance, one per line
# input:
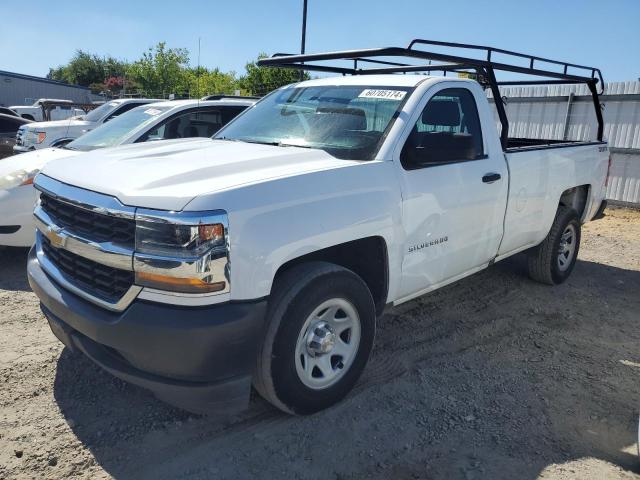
<point x="604" y="34"/>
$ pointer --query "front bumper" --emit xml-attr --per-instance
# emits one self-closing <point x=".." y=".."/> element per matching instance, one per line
<point x="22" y="148"/>
<point x="200" y="359"/>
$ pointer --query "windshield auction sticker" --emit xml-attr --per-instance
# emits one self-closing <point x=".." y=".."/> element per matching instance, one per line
<point x="152" y="111"/>
<point x="388" y="94"/>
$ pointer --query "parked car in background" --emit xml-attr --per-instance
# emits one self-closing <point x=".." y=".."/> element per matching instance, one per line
<point x="265" y="255"/>
<point x="58" y="132"/>
<point x="179" y="119"/>
<point x="59" y="112"/>
<point x="219" y="96"/>
<point x="8" y="111"/>
<point x="9" y="125"/>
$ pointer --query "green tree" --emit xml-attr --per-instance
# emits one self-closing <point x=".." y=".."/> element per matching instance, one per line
<point x="161" y="70"/>
<point x="261" y="80"/>
<point x="201" y="81"/>
<point x="85" y="69"/>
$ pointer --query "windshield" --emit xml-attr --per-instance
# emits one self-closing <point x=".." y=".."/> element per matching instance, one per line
<point x="97" y="113"/>
<point x="115" y="131"/>
<point x="348" y="122"/>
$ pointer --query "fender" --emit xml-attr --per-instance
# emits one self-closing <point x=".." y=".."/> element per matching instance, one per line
<point x="274" y="222"/>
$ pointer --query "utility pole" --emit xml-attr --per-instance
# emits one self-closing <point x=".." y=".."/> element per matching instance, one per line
<point x="304" y="33"/>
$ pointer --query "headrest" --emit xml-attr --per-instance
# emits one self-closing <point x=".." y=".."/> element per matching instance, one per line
<point x="441" y="112"/>
<point x="349" y="118"/>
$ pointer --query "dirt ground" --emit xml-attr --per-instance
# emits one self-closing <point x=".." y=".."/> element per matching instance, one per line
<point x="494" y="377"/>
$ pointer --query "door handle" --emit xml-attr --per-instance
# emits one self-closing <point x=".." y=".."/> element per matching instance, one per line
<point x="491" y="177"/>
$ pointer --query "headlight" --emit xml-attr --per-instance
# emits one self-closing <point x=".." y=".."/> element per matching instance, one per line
<point x="181" y="241"/>
<point x="183" y="252"/>
<point x="34" y="137"/>
<point x="17" y="178"/>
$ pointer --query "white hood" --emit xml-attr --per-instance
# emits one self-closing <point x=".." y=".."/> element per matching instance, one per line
<point x="168" y="174"/>
<point x="60" y="124"/>
<point x="34" y="160"/>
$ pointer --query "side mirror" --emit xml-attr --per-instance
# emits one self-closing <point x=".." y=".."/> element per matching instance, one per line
<point x="429" y="148"/>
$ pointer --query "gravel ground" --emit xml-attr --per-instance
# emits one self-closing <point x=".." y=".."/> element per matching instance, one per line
<point x="493" y="377"/>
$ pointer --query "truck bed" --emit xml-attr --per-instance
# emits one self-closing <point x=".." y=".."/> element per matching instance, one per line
<point x="537" y="180"/>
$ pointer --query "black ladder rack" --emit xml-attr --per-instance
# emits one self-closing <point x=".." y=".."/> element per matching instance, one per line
<point x="369" y="62"/>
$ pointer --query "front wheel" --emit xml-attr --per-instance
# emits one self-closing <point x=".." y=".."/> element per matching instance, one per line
<point x="553" y="260"/>
<point x="320" y="332"/>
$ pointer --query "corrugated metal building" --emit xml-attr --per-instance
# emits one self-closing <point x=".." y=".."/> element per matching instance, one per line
<point x="565" y="112"/>
<point x="19" y="89"/>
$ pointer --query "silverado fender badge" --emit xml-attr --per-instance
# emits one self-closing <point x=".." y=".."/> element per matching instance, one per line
<point x="430" y="243"/>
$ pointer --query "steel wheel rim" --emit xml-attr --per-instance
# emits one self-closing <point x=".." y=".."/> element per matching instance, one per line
<point x="328" y="343"/>
<point x="567" y="248"/>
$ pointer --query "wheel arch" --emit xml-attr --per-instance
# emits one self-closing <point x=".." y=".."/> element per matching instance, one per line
<point x="576" y="198"/>
<point x="367" y="257"/>
<point x="58" y="142"/>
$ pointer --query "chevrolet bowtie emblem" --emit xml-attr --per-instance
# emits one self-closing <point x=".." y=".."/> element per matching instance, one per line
<point x="55" y="238"/>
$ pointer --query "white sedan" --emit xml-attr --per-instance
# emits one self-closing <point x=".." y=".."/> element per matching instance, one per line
<point x="157" y="121"/>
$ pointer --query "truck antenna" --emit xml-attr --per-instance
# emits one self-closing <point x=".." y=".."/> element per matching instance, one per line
<point x="198" y="73"/>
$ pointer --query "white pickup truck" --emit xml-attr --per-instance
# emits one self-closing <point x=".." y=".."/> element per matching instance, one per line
<point x="266" y="256"/>
<point x="57" y="133"/>
<point x="63" y="110"/>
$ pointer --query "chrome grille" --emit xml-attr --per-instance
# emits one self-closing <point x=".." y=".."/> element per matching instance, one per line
<point x="96" y="226"/>
<point x="102" y="281"/>
<point x="19" y="135"/>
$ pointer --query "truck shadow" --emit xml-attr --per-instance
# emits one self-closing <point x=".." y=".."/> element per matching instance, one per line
<point x="13" y="269"/>
<point x="493" y="377"/>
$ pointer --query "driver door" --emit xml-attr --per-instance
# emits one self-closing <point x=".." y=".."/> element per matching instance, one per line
<point x="454" y="188"/>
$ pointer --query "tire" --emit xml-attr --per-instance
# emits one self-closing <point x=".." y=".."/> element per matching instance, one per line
<point x="546" y="263"/>
<point x="287" y="375"/>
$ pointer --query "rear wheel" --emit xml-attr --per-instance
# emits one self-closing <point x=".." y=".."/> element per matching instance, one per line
<point x="553" y="260"/>
<point x="321" y="327"/>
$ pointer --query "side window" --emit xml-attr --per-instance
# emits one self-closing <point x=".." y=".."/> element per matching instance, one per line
<point x="202" y="124"/>
<point x="230" y="112"/>
<point x="121" y="110"/>
<point x="188" y="125"/>
<point x="447" y="131"/>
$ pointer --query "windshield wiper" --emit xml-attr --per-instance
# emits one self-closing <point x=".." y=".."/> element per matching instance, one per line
<point x="277" y="144"/>
<point x="274" y="144"/>
<point x="258" y="142"/>
<point x="294" y="145"/>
